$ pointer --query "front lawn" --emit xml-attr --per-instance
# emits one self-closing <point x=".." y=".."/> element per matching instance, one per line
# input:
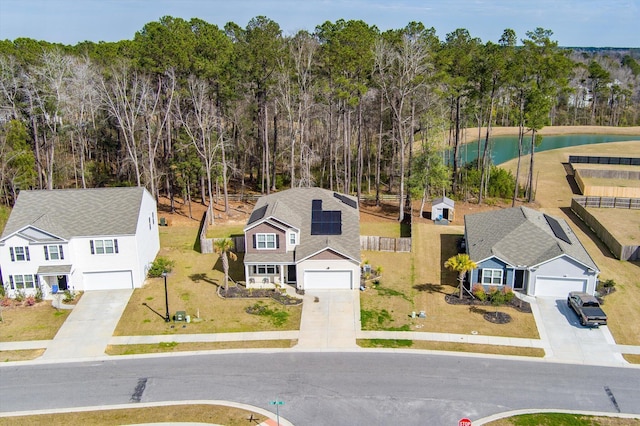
<point x="417" y="281"/>
<point x="38" y="322"/>
<point x="193" y="288"/>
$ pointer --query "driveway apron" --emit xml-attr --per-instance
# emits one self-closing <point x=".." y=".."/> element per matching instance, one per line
<point x="571" y="342"/>
<point x="89" y="327"/>
<point x="329" y="319"/>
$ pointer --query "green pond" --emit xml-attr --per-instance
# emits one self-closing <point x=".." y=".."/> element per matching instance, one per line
<point x="505" y="148"/>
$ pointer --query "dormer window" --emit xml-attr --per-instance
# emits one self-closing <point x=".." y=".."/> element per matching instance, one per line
<point x="266" y="241"/>
<point x="292" y="238"/>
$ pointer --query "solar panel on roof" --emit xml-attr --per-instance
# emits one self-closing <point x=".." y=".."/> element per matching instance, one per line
<point x="258" y="213"/>
<point x="557" y="229"/>
<point x="346" y="200"/>
<point x="325" y="222"/>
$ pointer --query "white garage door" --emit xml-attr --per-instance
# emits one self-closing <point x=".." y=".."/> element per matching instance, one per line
<point x="558" y="286"/>
<point x="107" y="280"/>
<point x="327" y="280"/>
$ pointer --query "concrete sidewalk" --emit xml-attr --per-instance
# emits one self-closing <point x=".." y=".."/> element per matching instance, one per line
<point x="88" y="329"/>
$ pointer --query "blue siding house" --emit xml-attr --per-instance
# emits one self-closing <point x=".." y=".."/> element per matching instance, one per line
<point x="529" y="251"/>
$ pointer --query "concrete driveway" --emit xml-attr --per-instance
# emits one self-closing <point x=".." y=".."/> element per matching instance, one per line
<point x="329" y="320"/>
<point x="571" y="342"/>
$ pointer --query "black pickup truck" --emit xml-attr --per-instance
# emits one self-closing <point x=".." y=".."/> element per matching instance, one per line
<point x="588" y="309"/>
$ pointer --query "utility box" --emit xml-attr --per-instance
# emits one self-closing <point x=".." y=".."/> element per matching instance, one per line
<point x="180" y="316"/>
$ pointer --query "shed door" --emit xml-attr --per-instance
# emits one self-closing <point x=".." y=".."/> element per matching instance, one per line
<point x="112" y="280"/>
<point x="558" y="286"/>
<point x="328" y="280"/>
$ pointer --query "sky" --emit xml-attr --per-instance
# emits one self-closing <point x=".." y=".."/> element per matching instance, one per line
<point x="575" y="23"/>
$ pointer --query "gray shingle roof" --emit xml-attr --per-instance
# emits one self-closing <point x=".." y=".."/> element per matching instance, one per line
<point x="520" y="236"/>
<point x="70" y="213"/>
<point x="293" y="207"/>
<point x="443" y="200"/>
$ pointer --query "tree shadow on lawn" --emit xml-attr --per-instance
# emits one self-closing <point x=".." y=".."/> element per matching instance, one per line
<point x="431" y="288"/>
<point x="448" y="248"/>
<point x="236" y="267"/>
<point x="196" y="278"/>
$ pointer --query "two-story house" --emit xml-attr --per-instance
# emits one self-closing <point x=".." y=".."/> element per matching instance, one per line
<point x="305" y="237"/>
<point x="79" y="239"/>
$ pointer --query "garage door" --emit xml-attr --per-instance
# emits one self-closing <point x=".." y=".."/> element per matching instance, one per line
<point x="107" y="280"/>
<point x="327" y="280"/>
<point x="558" y="286"/>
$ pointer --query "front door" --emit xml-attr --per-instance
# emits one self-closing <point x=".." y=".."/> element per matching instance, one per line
<point x="518" y="282"/>
<point x="62" y="282"/>
<point x="291" y="274"/>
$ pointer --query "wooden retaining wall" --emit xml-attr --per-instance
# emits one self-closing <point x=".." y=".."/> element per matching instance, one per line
<point x="619" y="251"/>
<point x="607" y="191"/>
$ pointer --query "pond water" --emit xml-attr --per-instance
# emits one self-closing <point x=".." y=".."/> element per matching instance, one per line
<point x="505" y="148"/>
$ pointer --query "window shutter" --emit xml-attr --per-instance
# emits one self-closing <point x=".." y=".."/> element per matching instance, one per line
<point x="92" y="249"/>
<point x="11" y="282"/>
<point x="61" y="253"/>
<point x="115" y="245"/>
<point x="254" y="245"/>
<point x="46" y="253"/>
<point x="13" y="257"/>
<point x="277" y="240"/>
<point x="26" y="250"/>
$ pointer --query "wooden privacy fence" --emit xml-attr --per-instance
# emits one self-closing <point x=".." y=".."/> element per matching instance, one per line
<point x="375" y="243"/>
<point x="618" y="250"/>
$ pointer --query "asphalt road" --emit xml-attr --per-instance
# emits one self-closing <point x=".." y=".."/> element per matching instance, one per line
<point x="364" y="388"/>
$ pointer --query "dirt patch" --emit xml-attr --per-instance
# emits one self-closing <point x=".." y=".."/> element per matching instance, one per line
<point x="497" y="317"/>
<point x="238" y="292"/>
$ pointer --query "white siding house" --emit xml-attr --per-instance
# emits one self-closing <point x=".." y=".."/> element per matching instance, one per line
<point x="79" y="239"/>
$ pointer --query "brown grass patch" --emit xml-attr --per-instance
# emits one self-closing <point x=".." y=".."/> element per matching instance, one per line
<point x="38" y="322"/>
<point x="215" y="414"/>
<point x="20" y="355"/>
<point x="632" y="358"/>
<point x="624" y="224"/>
<point x="563" y="419"/>
<point x="196" y="346"/>
<point x="463" y="347"/>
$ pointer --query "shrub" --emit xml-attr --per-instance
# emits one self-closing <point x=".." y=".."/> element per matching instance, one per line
<point x="606" y="286"/>
<point x="479" y="293"/>
<point x="29" y="301"/>
<point x="6" y="301"/>
<point x="508" y="294"/>
<point x="159" y="266"/>
<point x="69" y="296"/>
<point x="38" y="295"/>
<point x="19" y="296"/>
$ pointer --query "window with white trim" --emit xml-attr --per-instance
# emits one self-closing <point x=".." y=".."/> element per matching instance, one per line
<point x="292" y="238"/>
<point x="492" y="276"/>
<point x="21" y="282"/>
<point x="19" y="254"/>
<point x="266" y="269"/>
<point x="104" y="246"/>
<point x="53" y="252"/>
<point x="265" y="241"/>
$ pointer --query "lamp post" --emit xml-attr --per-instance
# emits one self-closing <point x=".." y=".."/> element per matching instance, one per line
<point x="166" y="298"/>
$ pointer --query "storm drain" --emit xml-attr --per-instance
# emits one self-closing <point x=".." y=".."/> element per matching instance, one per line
<point x="137" y="393"/>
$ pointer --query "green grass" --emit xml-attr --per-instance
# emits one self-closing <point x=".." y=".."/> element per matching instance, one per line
<point x="381" y="229"/>
<point x="562" y="419"/>
<point x="386" y="343"/>
<point x="224" y="231"/>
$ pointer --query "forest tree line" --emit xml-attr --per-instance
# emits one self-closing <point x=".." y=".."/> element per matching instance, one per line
<point x="190" y="109"/>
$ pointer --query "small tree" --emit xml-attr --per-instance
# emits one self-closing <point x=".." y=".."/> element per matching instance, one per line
<point x="461" y="263"/>
<point x="223" y="247"/>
